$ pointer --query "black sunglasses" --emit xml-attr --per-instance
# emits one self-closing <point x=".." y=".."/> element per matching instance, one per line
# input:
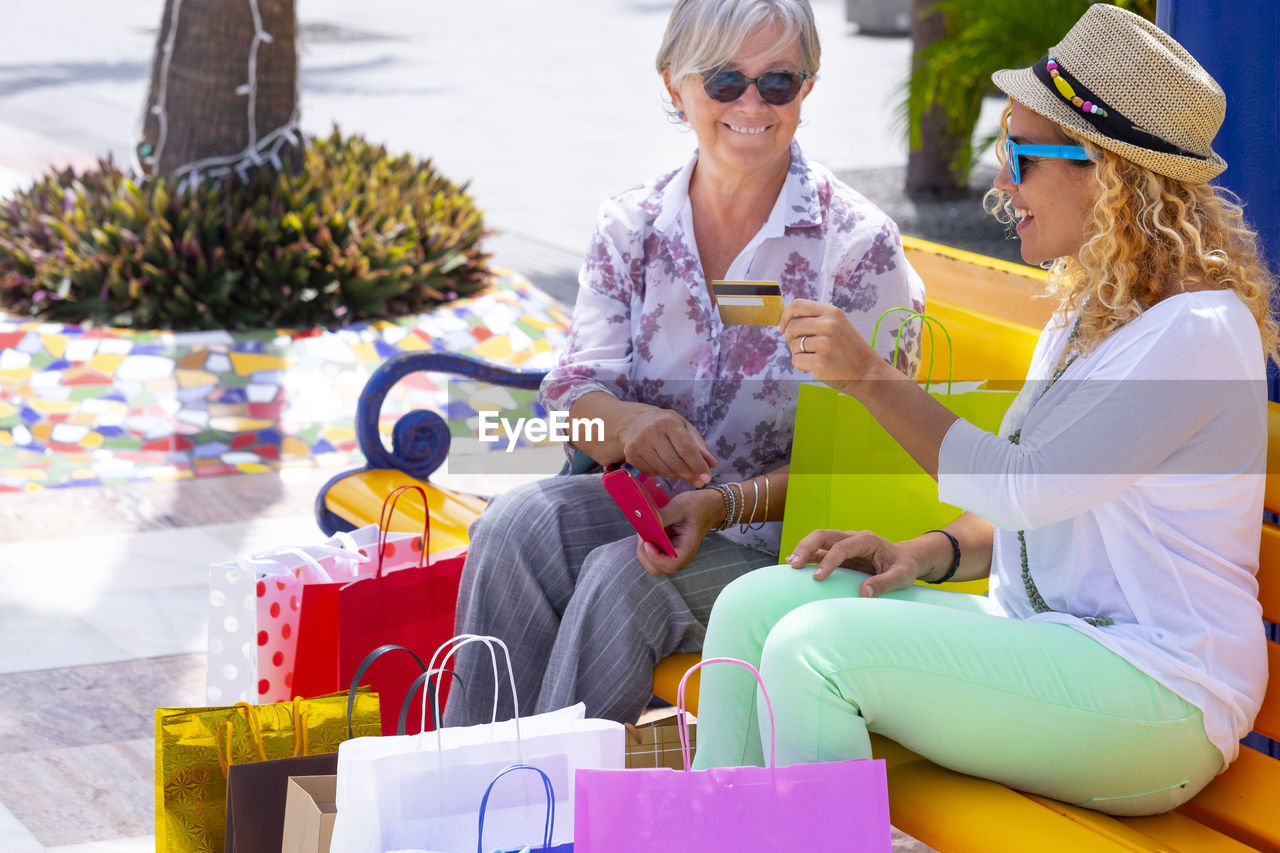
<point x="776" y="87"/>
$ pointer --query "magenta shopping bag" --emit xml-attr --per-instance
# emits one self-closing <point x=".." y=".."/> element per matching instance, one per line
<point x="836" y="805"/>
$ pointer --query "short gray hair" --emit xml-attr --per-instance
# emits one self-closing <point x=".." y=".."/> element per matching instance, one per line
<point x="703" y="35"/>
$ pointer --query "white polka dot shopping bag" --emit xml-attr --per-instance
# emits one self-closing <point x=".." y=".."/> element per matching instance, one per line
<point x="254" y="604"/>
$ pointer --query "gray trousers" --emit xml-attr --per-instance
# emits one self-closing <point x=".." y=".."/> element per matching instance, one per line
<point x="552" y="572"/>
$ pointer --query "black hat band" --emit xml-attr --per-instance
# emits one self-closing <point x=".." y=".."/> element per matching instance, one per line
<point x="1105" y="119"/>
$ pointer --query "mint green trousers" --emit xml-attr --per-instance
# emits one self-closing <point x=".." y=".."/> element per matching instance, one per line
<point x="1036" y="706"/>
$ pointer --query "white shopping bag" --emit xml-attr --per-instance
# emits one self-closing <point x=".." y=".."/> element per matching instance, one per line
<point x="548" y="823"/>
<point x="253" y="610"/>
<point x="420" y="792"/>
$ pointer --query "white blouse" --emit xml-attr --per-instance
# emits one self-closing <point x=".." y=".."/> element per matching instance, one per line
<point x="1138" y="480"/>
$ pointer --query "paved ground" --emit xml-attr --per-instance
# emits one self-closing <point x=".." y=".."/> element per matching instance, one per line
<point x="544" y="108"/>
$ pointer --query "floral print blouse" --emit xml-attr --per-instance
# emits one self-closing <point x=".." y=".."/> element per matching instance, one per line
<point x="644" y="328"/>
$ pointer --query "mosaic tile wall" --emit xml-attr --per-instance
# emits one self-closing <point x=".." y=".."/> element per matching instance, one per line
<point x="99" y="406"/>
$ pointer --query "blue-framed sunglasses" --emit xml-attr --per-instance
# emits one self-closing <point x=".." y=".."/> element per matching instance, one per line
<point x="776" y="87"/>
<point x="1015" y="151"/>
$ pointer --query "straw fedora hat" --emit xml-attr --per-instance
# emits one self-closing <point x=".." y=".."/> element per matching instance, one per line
<point x="1122" y="83"/>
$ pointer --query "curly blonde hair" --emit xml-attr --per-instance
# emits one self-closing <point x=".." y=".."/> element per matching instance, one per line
<point x="1150" y="233"/>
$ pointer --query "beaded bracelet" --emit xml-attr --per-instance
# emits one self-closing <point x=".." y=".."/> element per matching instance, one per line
<point x="955" y="557"/>
<point x="730" y="504"/>
<point x="742" y="502"/>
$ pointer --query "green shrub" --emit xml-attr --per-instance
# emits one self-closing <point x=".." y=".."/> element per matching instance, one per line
<point x="353" y="235"/>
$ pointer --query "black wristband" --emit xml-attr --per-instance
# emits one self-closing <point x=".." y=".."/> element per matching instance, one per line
<point x="955" y="557"/>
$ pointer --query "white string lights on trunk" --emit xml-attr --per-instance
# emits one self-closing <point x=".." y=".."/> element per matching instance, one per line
<point x="256" y="152"/>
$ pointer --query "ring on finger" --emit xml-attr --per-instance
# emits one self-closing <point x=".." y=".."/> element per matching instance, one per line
<point x="803" y="338"/>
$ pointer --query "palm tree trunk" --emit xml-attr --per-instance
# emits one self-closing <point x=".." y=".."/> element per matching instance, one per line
<point x="931" y="167"/>
<point x="199" y="104"/>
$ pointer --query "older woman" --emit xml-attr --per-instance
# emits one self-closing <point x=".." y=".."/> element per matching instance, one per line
<point x="555" y="568"/>
<point x="1120" y="655"/>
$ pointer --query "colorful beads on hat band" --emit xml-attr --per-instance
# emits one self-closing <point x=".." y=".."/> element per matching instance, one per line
<point x="1104" y="119"/>
<point x="1064" y="89"/>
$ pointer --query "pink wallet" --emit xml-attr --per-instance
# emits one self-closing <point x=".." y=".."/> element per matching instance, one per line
<point x="640" y="497"/>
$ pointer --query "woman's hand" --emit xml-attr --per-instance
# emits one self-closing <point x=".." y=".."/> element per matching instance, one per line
<point x="892" y="565"/>
<point x="661" y="443"/>
<point x="688" y="517"/>
<point x="825" y="344"/>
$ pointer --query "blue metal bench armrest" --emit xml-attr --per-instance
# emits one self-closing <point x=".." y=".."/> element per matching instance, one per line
<point x="420" y="438"/>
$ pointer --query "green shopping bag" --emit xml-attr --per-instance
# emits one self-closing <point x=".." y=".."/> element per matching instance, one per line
<point x="847" y="473"/>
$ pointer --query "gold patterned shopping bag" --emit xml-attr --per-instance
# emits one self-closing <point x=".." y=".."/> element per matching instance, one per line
<point x="195" y="746"/>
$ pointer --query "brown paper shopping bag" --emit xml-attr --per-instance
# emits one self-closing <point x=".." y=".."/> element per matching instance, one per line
<point x="656" y="742"/>
<point x="256" y="799"/>
<point x="309" y="811"/>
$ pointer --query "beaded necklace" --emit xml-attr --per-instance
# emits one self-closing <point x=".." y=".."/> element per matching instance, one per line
<point x="1038" y="603"/>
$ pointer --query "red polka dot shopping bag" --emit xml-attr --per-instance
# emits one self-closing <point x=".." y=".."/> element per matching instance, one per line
<point x="255" y="606"/>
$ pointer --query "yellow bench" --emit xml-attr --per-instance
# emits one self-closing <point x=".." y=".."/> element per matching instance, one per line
<point x="357" y="497"/>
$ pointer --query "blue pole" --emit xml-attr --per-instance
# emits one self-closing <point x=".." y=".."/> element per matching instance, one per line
<point x="1241" y="56"/>
<point x="1237" y="41"/>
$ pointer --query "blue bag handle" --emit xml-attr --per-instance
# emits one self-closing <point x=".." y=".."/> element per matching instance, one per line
<point x="928" y="323"/>
<point x="551" y="805"/>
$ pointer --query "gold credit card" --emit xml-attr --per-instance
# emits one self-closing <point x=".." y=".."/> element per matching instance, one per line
<point x="748" y="303"/>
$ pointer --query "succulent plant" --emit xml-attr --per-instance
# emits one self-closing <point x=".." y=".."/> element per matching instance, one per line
<point x="353" y="235"/>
